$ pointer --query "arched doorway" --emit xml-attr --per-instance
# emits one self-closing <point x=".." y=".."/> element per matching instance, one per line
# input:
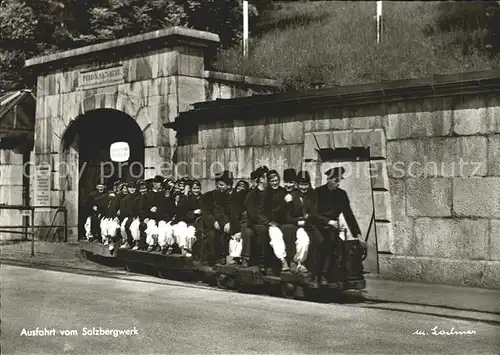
<point x="86" y="150"/>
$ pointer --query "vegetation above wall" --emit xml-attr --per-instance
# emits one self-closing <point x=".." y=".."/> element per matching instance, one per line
<point x="332" y="42"/>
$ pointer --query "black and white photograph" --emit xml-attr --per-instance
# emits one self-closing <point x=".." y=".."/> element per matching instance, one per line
<point x="249" y="177"/>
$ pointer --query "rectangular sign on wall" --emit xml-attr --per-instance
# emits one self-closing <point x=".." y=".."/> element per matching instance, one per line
<point x="42" y="186"/>
<point x="101" y="77"/>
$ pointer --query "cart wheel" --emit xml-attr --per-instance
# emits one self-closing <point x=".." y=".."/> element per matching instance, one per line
<point x="244" y="288"/>
<point x="274" y="290"/>
<point x="222" y="281"/>
<point x="300" y="292"/>
<point x="312" y="294"/>
<point x="321" y="295"/>
<point x="288" y="290"/>
<point x="162" y="273"/>
<point x="231" y="283"/>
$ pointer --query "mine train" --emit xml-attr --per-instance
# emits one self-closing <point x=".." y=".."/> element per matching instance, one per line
<point x="265" y="216"/>
<point x="347" y="270"/>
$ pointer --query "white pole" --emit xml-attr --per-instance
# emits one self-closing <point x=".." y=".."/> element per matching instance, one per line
<point x="245" y="28"/>
<point x="379" y="21"/>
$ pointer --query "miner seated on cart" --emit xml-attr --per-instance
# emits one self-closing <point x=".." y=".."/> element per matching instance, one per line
<point x="187" y="217"/>
<point x="300" y="219"/>
<point x="167" y="212"/>
<point x="262" y="214"/>
<point x="276" y="207"/>
<point x="114" y="227"/>
<point x="174" y="227"/>
<point x="216" y="218"/>
<point x="255" y="234"/>
<point x="266" y="227"/>
<point x="333" y="208"/>
<point x="94" y="209"/>
<point x="239" y="252"/>
<point x="151" y="204"/>
<point x="129" y="214"/>
<point x="110" y="224"/>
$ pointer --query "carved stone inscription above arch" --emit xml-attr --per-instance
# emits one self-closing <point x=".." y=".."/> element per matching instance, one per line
<point x="130" y="105"/>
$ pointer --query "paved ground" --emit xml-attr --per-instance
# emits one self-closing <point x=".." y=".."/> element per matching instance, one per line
<point x="67" y="256"/>
<point x="180" y="318"/>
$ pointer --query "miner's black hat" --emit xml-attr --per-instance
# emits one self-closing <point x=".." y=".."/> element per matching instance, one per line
<point x="335" y="173"/>
<point x="139" y="183"/>
<point x="289" y="175"/>
<point x="261" y="170"/>
<point x="149" y="183"/>
<point x="158" y="179"/>
<point x="271" y="173"/>
<point x="303" y="176"/>
<point x="245" y="183"/>
<point x="225" y="176"/>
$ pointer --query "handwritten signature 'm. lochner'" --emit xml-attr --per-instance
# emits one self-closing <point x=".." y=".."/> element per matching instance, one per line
<point x="435" y="331"/>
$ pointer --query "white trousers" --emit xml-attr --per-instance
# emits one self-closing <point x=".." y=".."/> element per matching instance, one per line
<point x="302" y="246"/>
<point x="134" y="229"/>
<point x="87" y="227"/>
<point x="277" y="242"/>
<point x="104" y="227"/>
<point x="235" y="245"/>
<point x="122" y="229"/>
<point x="113" y="226"/>
<point x="152" y="233"/>
<point x="184" y="235"/>
<point x="165" y="234"/>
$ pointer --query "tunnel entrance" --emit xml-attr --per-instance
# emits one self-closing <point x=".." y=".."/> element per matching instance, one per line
<point x="86" y="152"/>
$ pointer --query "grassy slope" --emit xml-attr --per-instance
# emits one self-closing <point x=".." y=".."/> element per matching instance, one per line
<point x="334" y="42"/>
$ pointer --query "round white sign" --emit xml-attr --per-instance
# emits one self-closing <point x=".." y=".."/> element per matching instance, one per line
<point x="119" y="152"/>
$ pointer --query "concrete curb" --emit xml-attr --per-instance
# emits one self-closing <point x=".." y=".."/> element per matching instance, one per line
<point x="451" y="297"/>
<point x="465" y="315"/>
<point x="444" y="310"/>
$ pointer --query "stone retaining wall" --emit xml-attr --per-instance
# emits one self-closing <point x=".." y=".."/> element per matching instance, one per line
<point x="438" y="203"/>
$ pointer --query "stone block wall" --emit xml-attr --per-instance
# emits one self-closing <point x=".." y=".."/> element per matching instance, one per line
<point x="449" y="193"/>
<point x="437" y="186"/>
<point x="11" y="192"/>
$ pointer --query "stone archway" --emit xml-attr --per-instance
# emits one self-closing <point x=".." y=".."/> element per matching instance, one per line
<point x="80" y="103"/>
<point x="85" y="158"/>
